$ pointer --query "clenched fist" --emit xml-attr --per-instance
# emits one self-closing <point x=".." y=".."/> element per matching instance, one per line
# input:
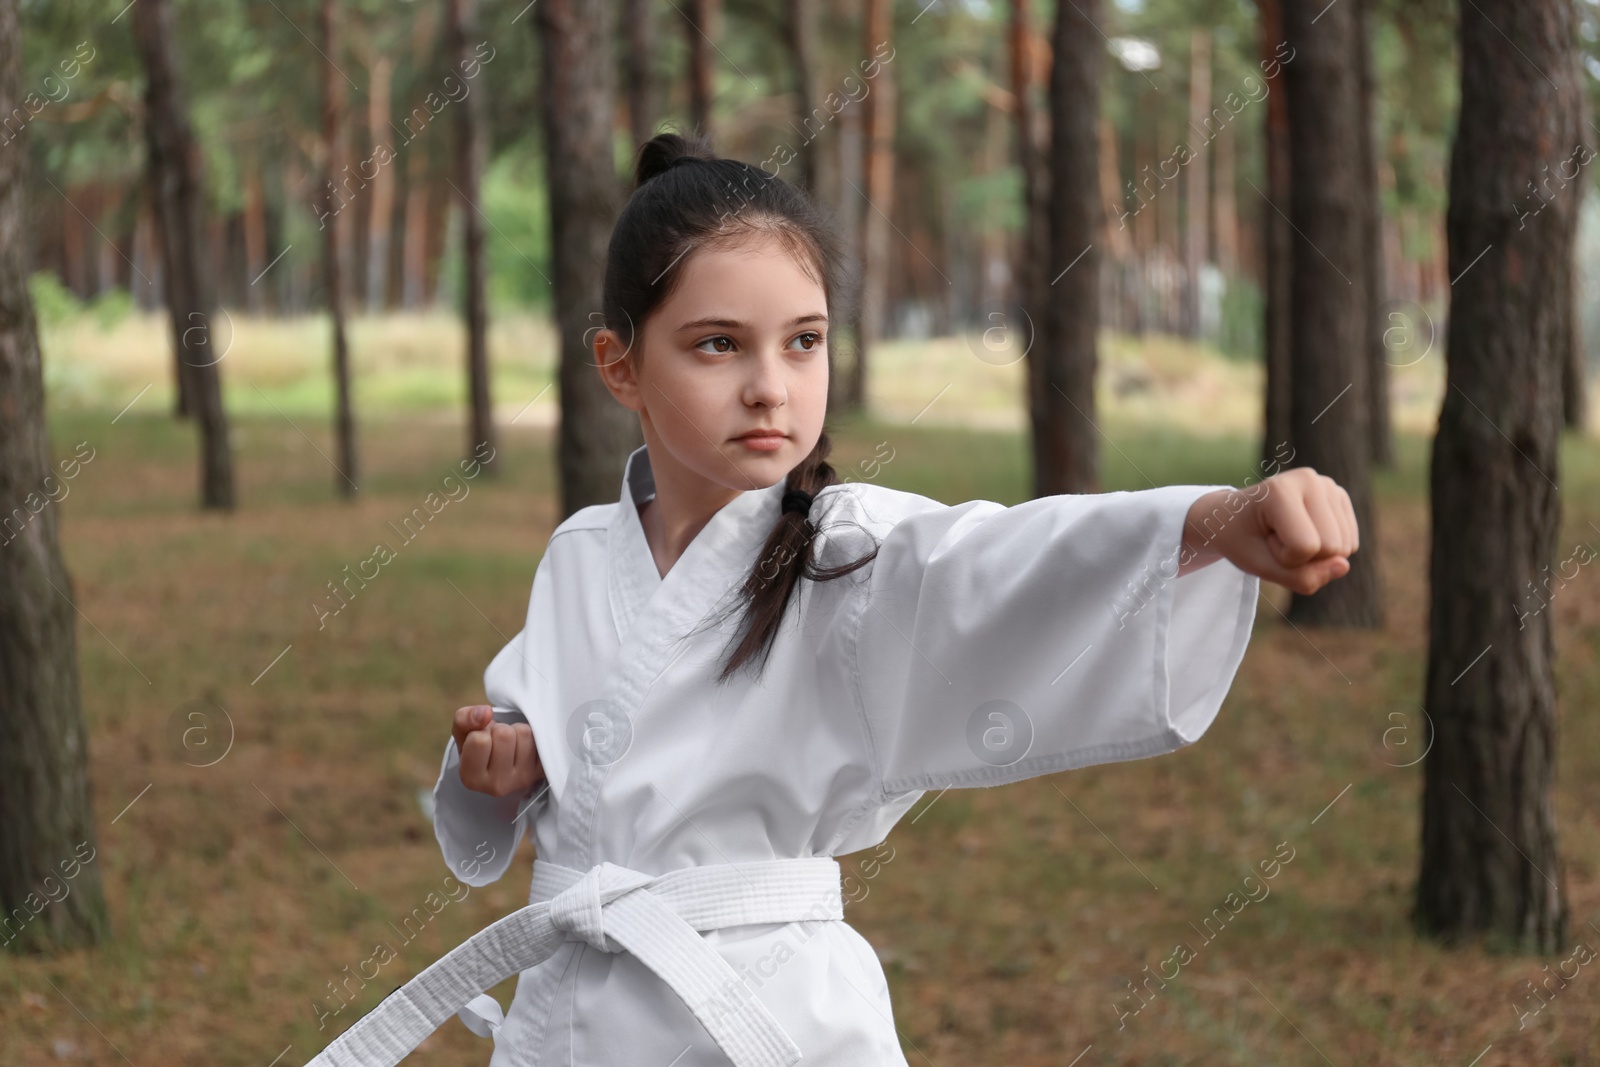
<point x="497" y="758"/>
<point x="1296" y="528"/>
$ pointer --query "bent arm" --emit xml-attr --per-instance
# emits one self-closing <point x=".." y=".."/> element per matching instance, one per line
<point x="478" y="833"/>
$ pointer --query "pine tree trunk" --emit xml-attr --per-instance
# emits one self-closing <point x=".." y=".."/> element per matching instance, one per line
<point x="877" y="117"/>
<point x="1277" y="247"/>
<point x="1575" y="377"/>
<point x="1196" y="196"/>
<point x="255" y="237"/>
<point x="469" y="150"/>
<point x="1066" y="456"/>
<point x="643" y="109"/>
<point x="48" y="829"/>
<point x="700" y="17"/>
<point x="1023" y="321"/>
<point x="800" y="34"/>
<point x="414" y="245"/>
<point x="177" y="178"/>
<point x="1490" y="868"/>
<point x="1328" y="394"/>
<point x="1225" y="208"/>
<point x="596" y="433"/>
<point x="1379" y="424"/>
<point x="843" y="351"/>
<point x="380" y="218"/>
<point x="335" y="230"/>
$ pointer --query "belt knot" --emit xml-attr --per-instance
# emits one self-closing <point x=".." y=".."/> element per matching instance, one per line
<point x="579" y="910"/>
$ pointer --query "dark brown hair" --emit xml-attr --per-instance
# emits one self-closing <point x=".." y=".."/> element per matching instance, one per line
<point x="686" y="198"/>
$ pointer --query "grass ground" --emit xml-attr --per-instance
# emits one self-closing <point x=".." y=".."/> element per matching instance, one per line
<point x="1012" y="921"/>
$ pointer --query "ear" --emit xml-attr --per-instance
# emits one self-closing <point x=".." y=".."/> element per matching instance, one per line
<point x="615" y="365"/>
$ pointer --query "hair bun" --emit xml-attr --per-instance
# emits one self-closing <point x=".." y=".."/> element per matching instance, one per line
<point x="666" y="150"/>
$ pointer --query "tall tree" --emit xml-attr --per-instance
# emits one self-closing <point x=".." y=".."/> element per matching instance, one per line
<point x="1328" y="392"/>
<point x="178" y="184"/>
<point x="800" y="34"/>
<point x="851" y="209"/>
<point x="1196" y="196"/>
<point x="1277" y="239"/>
<point x="1490" y="868"/>
<point x="1066" y="451"/>
<point x="644" y="108"/>
<point x="1379" y="425"/>
<point x="878" y="121"/>
<point x="585" y="195"/>
<point x="469" y="148"/>
<point x="255" y="231"/>
<point x="335" y="240"/>
<point x="1575" y="369"/>
<point x="1023" y="325"/>
<point x="44" y="787"/>
<point x="700" y="26"/>
<point x="414" y="243"/>
<point x="380" y="215"/>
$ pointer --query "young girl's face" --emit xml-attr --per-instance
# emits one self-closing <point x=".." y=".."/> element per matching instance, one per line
<point x="730" y="373"/>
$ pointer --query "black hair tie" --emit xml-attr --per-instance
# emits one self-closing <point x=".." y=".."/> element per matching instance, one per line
<point x="797" y="501"/>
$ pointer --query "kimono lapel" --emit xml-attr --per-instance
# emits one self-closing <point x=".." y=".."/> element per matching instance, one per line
<point x="724" y="548"/>
<point x="653" y="615"/>
<point x="633" y="577"/>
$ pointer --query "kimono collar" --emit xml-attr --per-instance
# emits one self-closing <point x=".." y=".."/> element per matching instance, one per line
<point x="724" y="548"/>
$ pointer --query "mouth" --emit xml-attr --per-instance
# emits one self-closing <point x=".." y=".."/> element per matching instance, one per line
<point x="763" y="440"/>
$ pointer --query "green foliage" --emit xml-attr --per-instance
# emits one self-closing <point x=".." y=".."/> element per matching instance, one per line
<point x="110" y="308"/>
<point x="517" y="243"/>
<point x="992" y="201"/>
<point x="1242" y="317"/>
<point x="53" y="303"/>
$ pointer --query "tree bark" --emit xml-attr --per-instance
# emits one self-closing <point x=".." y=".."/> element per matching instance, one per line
<point x="643" y="108"/>
<point x="878" y="122"/>
<point x="700" y="18"/>
<point x="1575" y="374"/>
<point x="177" y="178"/>
<point x="1379" y="424"/>
<point x="1066" y="450"/>
<point x="1328" y="394"/>
<point x="596" y="432"/>
<point x="414" y="246"/>
<point x="1028" y="297"/>
<point x="1196" y="196"/>
<point x="44" y="786"/>
<point x="1225" y="210"/>
<point x="852" y="169"/>
<point x="1277" y="247"/>
<point x="335" y="231"/>
<point x="1490" y="868"/>
<point x="380" y="216"/>
<point x="469" y="148"/>
<point x="255" y="236"/>
<point x="801" y="37"/>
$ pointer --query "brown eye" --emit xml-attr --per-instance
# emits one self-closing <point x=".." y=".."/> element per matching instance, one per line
<point x="815" y="338"/>
<point x="717" y="340"/>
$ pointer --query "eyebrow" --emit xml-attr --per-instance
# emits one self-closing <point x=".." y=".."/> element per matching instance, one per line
<point x="735" y="324"/>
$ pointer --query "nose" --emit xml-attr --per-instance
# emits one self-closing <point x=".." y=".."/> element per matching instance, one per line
<point x="765" y="386"/>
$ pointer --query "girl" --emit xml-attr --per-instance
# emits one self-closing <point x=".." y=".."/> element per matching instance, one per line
<point x="744" y="668"/>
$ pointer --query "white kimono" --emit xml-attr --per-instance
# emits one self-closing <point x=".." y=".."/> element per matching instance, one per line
<point x="983" y="645"/>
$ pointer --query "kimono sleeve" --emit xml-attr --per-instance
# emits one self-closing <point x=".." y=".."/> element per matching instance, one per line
<point x="479" y="833"/>
<point x="997" y="644"/>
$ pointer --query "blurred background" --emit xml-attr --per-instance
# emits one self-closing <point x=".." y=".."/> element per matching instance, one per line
<point x="287" y="282"/>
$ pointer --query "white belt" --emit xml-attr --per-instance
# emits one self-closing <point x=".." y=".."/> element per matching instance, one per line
<point x="614" y="909"/>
